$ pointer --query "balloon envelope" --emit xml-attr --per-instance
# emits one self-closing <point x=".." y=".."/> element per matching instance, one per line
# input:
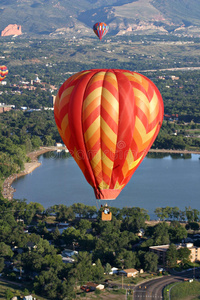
<point x="100" y="29"/>
<point x="108" y="119"/>
<point x="3" y="72"/>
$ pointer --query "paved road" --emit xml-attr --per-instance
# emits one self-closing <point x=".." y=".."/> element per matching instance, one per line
<point x="153" y="289"/>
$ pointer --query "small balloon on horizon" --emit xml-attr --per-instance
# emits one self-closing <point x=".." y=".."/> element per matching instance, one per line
<point x="100" y="29"/>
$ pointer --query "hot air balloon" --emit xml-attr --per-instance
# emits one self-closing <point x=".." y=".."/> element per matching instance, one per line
<point x="3" y="72"/>
<point x="100" y="29"/>
<point x="108" y="119"/>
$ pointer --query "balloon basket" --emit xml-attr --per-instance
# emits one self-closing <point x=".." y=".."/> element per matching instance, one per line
<point x="106" y="217"/>
<point x="106" y="214"/>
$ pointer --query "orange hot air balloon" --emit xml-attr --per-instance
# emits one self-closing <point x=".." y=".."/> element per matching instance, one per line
<point x="108" y="119"/>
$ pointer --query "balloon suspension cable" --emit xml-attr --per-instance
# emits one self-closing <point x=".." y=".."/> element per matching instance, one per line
<point x="97" y="204"/>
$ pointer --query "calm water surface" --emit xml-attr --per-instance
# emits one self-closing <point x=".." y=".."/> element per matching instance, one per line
<point x="158" y="182"/>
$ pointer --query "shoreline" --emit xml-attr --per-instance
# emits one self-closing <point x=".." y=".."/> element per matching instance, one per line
<point x="8" y="190"/>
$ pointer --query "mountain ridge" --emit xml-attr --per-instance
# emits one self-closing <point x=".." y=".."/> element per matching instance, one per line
<point x="53" y="17"/>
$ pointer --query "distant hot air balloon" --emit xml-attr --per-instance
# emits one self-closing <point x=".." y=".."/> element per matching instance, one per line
<point x="100" y="29"/>
<point x="108" y="119"/>
<point x="3" y="72"/>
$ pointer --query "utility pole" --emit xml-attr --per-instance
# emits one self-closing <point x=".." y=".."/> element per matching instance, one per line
<point x="194" y="272"/>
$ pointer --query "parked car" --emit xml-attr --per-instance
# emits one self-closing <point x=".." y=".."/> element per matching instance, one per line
<point x="85" y="288"/>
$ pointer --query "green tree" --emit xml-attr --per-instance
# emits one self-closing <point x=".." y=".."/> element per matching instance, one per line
<point x="126" y="259"/>
<point x="183" y="255"/>
<point x="84" y="225"/>
<point x="9" y="294"/>
<point x="150" y="262"/>
<point x="48" y="284"/>
<point x="177" y="232"/>
<point x="65" y="213"/>
<point x="192" y="225"/>
<point x="171" y="256"/>
<point x="56" y="234"/>
<point x="134" y="220"/>
<point x="107" y="268"/>
<point x="97" y="271"/>
<point x="1" y="264"/>
<point x="161" y="234"/>
<point x="83" y="269"/>
<point x="162" y="212"/>
<point x="5" y="250"/>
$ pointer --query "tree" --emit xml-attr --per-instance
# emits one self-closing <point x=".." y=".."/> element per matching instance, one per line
<point x="48" y="284"/>
<point x="189" y="214"/>
<point x="70" y="235"/>
<point x="161" y="234"/>
<point x="80" y="209"/>
<point x="107" y="268"/>
<point x="5" y="250"/>
<point x="98" y="271"/>
<point x="183" y="255"/>
<point x="126" y="259"/>
<point x="36" y="142"/>
<point x="1" y="264"/>
<point x="67" y="289"/>
<point x="175" y="213"/>
<point x="82" y="270"/>
<point x="84" y="225"/>
<point x="192" y="225"/>
<point x="171" y="256"/>
<point x="159" y="213"/>
<point x="65" y="213"/>
<point x="177" y="232"/>
<point x="134" y="220"/>
<point x="48" y="140"/>
<point x="150" y="262"/>
<point x="9" y="294"/>
<point x="56" y="234"/>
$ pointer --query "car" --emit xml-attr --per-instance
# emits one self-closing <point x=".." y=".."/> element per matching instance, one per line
<point x="85" y="288"/>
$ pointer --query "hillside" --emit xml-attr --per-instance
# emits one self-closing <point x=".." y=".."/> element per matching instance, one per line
<point x="66" y="17"/>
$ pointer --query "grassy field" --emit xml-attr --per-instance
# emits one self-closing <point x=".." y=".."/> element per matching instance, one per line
<point x="183" y="291"/>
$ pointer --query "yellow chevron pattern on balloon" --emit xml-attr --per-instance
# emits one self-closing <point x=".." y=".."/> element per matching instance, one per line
<point x="137" y="78"/>
<point x="100" y="116"/>
<point x="143" y="131"/>
<point x="130" y="163"/>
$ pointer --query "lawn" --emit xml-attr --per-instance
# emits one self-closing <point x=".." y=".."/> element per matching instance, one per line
<point x="183" y="291"/>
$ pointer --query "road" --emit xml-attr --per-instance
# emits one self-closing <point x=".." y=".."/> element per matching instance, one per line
<point x="153" y="289"/>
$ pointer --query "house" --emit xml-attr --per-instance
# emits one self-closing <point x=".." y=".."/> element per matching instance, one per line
<point x="29" y="297"/>
<point x="68" y="260"/>
<point x="114" y="270"/>
<point x="129" y="272"/>
<point x="69" y="253"/>
<point x="141" y="232"/>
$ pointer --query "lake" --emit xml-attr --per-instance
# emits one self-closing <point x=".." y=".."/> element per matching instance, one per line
<point x="161" y="180"/>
